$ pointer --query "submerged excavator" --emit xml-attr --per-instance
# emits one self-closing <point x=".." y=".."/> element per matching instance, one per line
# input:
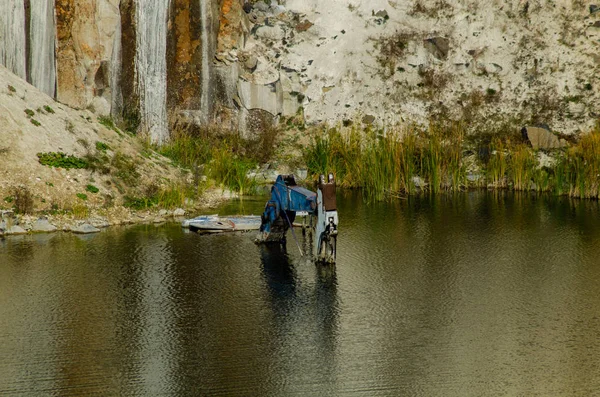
<point x="287" y="200"/>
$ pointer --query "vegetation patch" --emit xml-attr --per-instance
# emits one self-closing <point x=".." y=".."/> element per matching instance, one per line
<point x="22" y="199"/>
<point x="11" y="88"/>
<point x="61" y="160"/>
<point x="433" y="160"/>
<point x="35" y="122"/>
<point x="48" y="109"/>
<point x="92" y="189"/>
<point x="108" y="122"/>
<point x="29" y="112"/>
<point x="82" y="196"/>
<point x="392" y="48"/>
<point x="101" y="146"/>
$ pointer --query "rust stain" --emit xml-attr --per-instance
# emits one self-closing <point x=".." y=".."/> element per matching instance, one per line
<point x="184" y="39"/>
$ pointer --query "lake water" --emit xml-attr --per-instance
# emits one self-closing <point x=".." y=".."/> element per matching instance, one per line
<point x="468" y="295"/>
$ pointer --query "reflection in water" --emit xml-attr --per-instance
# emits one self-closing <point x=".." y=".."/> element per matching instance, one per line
<point x="478" y="294"/>
<point x="304" y="315"/>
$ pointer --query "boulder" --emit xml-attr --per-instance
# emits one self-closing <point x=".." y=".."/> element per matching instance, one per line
<point x="85" y="228"/>
<point x="438" y="47"/>
<point x="43" y="226"/>
<point x="541" y="138"/>
<point x="251" y="63"/>
<point x="179" y="212"/>
<point x="594" y="8"/>
<point x="304" y="26"/>
<point x="275" y="33"/>
<point x="16" y="229"/>
<point x="99" y="222"/>
<point x="382" y="14"/>
<point x="368" y="119"/>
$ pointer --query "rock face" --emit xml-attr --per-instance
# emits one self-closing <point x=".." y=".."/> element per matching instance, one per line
<point x="242" y="64"/>
<point x="86" y="33"/>
<point x="541" y="138"/>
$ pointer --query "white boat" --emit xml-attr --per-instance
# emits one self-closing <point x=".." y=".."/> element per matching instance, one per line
<point x="202" y="218"/>
<point x="218" y="224"/>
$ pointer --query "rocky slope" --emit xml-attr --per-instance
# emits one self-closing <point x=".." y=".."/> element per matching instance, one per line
<point x="119" y="165"/>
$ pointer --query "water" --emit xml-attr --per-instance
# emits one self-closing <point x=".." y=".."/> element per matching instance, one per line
<point x="478" y="294"/>
<point x="12" y="36"/>
<point x="42" y="38"/>
<point x="151" y="65"/>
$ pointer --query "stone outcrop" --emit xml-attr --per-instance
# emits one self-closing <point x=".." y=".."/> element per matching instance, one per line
<point x="541" y="138"/>
<point x="42" y="226"/>
<point x="85" y="228"/>
<point x="86" y="34"/>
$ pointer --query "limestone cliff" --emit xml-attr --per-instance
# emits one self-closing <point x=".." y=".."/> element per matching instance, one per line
<point x="246" y="64"/>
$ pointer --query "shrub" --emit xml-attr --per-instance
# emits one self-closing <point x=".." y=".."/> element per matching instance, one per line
<point x="23" y="199"/>
<point x="61" y="160"/>
<point x="48" y="109"/>
<point x="11" y="88"/>
<point x="92" y="189"/>
<point x="29" y="112"/>
<point x="101" y="146"/>
<point x="35" y="122"/>
<point x="82" y="196"/>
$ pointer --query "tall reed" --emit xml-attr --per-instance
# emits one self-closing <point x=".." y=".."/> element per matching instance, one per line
<point x="522" y="164"/>
<point x="497" y="164"/>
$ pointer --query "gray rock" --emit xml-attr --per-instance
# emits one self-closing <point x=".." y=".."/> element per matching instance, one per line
<point x="368" y="119"/>
<point x="85" y="228"/>
<point x="275" y="33"/>
<point x="158" y="219"/>
<point x="301" y="174"/>
<point x="265" y="97"/>
<point x="418" y="182"/>
<point x="474" y="177"/>
<point x="541" y="138"/>
<point x="16" y="229"/>
<point x="251" y="63"/>
<point x="179" y="212"/>
<point x="438" y="47"/>
<point x="382" y="14"/>
<point x="261" y="6"/>
<point x="162" y="213"/>
<point x="43" y="226"/>
<point x="5" y="214"/>
<point x="99" y="222"/>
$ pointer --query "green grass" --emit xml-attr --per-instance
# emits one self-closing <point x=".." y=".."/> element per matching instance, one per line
<point x="82" y="196"/>
<point x="35" y="122"/>
<point x="92" y="189"/>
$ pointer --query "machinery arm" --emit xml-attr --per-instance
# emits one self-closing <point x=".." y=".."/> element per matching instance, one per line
<point x="287" y="198"/>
